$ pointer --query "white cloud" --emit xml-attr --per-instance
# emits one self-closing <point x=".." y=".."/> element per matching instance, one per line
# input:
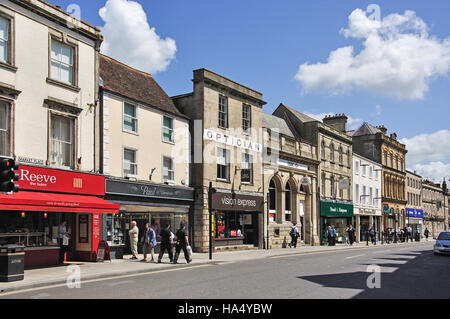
<point x="428" y="147"/>
<point x="129" y="38"/>
<point x="434" y="171"/>
<point x="398" y="59"/>
<point x="352" y="122"/>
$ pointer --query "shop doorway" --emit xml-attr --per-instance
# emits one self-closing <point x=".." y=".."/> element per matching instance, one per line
<point x="364" y="227"/>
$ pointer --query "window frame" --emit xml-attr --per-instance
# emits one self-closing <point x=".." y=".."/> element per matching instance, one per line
<point x="332" y="153"/>
<point x="135" y="118"/>
<point x="248" y="130"/>
<point x="135" y="163"/>
<point x="172" y="161"/>
<point x="63" y="40"/>
<point x="8" y="131"/>
<point x="225" y="112"/>
<point x="250" y="162"/>
<point x="73" y="135"/>
<point x="226" y="153"/>
<point x="10" y="63"/>
<point x="172" y="129"/>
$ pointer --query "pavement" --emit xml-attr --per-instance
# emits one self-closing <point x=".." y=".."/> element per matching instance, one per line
<point x="58" y="275"/>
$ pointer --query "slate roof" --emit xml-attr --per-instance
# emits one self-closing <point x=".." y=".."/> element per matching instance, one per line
<point x="136" y="85"/>
<point x="366" y="129"/>
<point x="303" y="117"/>
<point x="270" y="121"/>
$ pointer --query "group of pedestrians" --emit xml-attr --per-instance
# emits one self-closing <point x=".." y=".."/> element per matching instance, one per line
<point x="167" y="239"/>
<point x="349" y="235"/>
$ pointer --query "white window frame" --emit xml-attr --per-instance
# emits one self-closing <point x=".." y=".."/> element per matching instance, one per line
<point x="356" y="167"/>
<point x="7" y="41"/>
<point x="7" y="129"/>
<point x="135" y="118"/>
<point x="226" y="112"/>
<point x="357" y="193"/>
<point x="172" y="130"/>
<point x="60" y="63"/>
<point x="250" y="164"/>
<point x="168" y="170"/>
<point x="136" y="158"/>
<point x="58" y="141"/>
<point x="227" y="163"/>
<point x="244" y="119"/>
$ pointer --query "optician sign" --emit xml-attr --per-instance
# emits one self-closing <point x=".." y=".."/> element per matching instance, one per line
<point x="232" y="141"/>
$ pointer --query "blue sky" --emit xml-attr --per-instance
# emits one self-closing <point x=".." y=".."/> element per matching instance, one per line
<point x="262" y="44"/>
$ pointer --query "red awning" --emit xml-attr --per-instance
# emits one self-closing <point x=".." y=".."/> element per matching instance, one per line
<point x="51" y="202"/>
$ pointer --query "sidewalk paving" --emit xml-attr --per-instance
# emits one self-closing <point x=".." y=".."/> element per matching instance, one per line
<point x="41" y="277"/>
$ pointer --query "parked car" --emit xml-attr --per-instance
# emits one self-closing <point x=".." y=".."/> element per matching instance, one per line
<point x="442" y="245"/>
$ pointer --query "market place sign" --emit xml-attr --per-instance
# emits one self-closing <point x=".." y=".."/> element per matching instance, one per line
<point x="232" y="141"/>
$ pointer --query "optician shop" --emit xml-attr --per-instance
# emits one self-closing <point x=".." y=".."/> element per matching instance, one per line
<point x="47" y="197"/>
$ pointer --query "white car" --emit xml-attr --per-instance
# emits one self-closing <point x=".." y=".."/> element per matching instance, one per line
<point x="442" y="245"/>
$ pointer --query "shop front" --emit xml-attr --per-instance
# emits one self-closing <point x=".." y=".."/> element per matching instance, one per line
<point x="144" y="203"/>
<point x="415" y="221"/>
<point x="238" y="219"/>
<point x="338" y="215"/>
<point x="47" y="197"/>
<point x="365" y="219"/>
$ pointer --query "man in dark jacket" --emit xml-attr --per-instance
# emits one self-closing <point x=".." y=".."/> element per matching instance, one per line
<point x="182" y="243"/>
<point x="351" y="235"/>
<point x="166" y="238"/>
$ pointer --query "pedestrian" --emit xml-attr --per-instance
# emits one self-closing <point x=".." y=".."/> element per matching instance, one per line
<point x="166" y="239"/>
<point x="294" y="235"/>
<point x="134" y="236"/>
<point x="410" y="232"/>
<point x="351" y="235"/>
<point x="182" y="244"/>
<point x="64" y="238"/>
<point x="149" y="242"/>
<point x="426" y="233"/>
<point x="373" y="234"/>
<point x="347" y="241"/>
<point x="334" y="235"/>
<point x="329" y="236"/>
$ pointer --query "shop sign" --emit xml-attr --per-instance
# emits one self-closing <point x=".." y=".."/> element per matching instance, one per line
<point x="118" y="187"/>
<point x="416" y="213"/>
<point x="336" y="209"/>
<point x="282" y="162"/>
<point x="237" y="202"/>
<point x="232" y="141"/>
<point x="60" y="181"/>
<point x="306" y="181"/>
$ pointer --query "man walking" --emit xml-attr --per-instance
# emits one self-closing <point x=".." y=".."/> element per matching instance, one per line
<point x="134" y="235"/>
<point x="166" y="238"/>
<point x="372" y="234"/>
<point x="149" y="242"/>
<point x="426" y="233"/>
<point x="351" y="235"/>
<point x="294" y="235"/>
<point x="182" y="243"/>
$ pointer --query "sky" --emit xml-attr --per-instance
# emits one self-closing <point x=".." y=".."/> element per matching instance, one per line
<point x="384" y="62"/>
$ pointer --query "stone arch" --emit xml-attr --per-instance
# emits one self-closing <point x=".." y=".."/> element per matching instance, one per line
<point x="275" y="198"/>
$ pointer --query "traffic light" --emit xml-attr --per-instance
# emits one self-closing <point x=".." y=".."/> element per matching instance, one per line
<point x="8" y="175"/>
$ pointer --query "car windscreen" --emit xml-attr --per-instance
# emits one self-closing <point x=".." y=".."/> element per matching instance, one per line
<point x="444" y="236"/>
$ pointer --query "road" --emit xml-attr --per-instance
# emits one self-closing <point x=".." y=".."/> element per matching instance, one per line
<point x="407" y="271"/>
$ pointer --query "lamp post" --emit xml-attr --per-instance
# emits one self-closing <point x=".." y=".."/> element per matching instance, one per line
<point x="211" y="191"/>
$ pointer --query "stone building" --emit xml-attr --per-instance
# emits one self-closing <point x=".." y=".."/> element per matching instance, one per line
<point x="414" y="206"/>
<point x="366" y="196"/>
<point x="373" y="143"/>
<point x="290" y="184"/>
<point x="335" y="200"/>
<point x="226" y="121"/>
<point x="433" y="207"/>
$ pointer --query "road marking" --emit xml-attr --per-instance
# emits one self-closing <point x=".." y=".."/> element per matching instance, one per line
<point x="40" y="296"/>
<point x="101" y="279"/>
<point x="113" y="284"/>
<point x="354" y="256"/>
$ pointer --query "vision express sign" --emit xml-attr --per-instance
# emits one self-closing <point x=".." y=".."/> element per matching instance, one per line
<point x="236" y="202"/>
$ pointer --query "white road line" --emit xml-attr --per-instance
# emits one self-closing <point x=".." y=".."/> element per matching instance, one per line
<point x="354" y="256"/>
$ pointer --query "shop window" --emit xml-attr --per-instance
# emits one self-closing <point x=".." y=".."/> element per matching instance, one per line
<point x="223" y="111"/>
<point x="4" y="129"/>
<point x="247" y="168"/>
<point x="62" y="146"/>
<point x="288" y="203"/>
<point x="168" y="135"/>
<point x="130" y="121"/>
<point x="246" y="118"/>
<point x="115" y="229"/>
<point x="62" y="62"/>
<point x="129" y="162"/>
<point x="223" y="164"/>
<point x="168" y="170"/>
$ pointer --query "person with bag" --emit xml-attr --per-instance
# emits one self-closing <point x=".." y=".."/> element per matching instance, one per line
<point x="166" y="238"/>
<point x="294" y="235"/>
<point x="149" y="243"/>
<point x="182" y="244"/>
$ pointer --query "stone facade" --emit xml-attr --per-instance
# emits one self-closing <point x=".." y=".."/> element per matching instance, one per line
<point x="433" y="206"/>
<point x="289" y="201"/>
<point x="214" y="132"/>
<point x="414" y="205"/>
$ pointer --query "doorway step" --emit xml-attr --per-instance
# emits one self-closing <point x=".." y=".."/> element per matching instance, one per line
<point x="234" y="248"/>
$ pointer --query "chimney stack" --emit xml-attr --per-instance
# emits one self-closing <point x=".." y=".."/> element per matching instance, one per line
<point x="338" y="122"/>
<point x="383" y="129"/>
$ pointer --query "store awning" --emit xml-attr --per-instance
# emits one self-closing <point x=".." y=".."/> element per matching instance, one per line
<point x="51" y="202"/>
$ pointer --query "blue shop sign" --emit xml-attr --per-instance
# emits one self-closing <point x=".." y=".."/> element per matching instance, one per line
<point x="417" y="213"/>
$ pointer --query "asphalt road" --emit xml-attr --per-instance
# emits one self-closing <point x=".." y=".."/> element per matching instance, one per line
<point x="406" y="271"/>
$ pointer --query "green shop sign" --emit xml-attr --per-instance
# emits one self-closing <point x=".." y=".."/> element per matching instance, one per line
<point x="336" y="209"/>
